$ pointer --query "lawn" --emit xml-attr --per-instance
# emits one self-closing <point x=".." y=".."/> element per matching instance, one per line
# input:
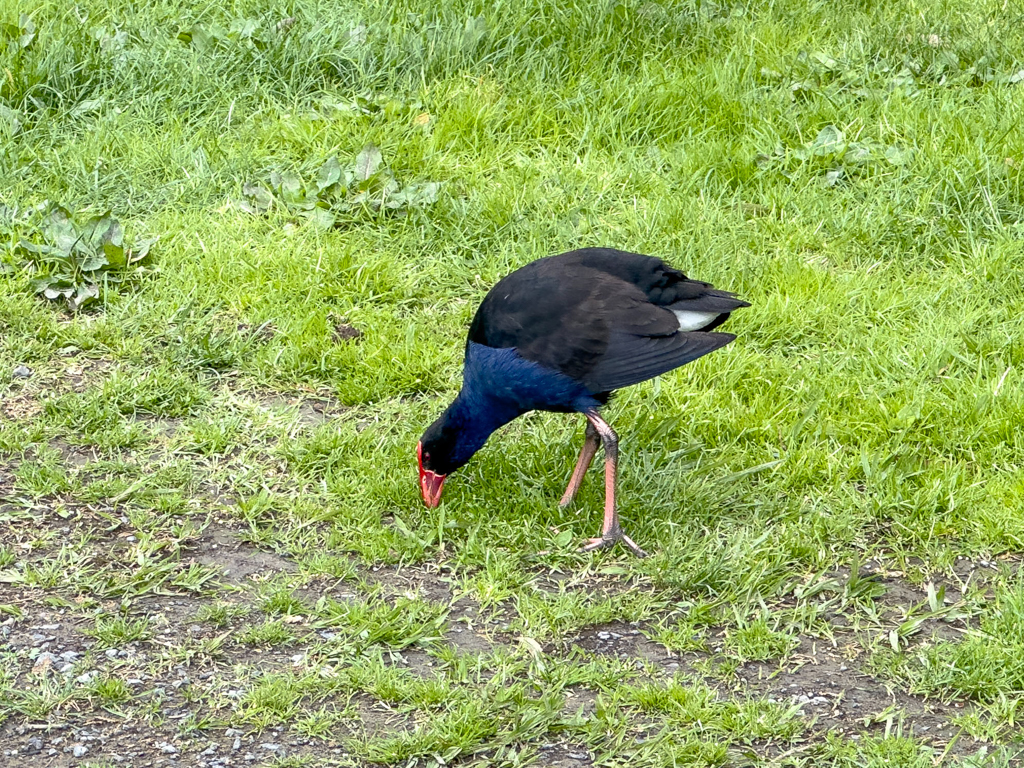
<point x="240" y="245"/>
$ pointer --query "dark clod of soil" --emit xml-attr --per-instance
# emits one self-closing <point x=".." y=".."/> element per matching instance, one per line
<point x="344" y="332"/>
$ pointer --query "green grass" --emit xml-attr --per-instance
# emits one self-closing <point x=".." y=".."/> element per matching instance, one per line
<point x="853" y="170"/>
<point x="113" y="631"/>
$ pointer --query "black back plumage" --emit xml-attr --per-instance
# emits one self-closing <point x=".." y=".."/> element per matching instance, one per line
<point x="602" y="316"/>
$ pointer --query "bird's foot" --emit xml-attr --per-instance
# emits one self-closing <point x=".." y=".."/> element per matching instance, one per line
<point x="610" y="539"/>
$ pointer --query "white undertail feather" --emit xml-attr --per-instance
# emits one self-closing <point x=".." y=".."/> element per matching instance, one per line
<point x="691" y="321"/>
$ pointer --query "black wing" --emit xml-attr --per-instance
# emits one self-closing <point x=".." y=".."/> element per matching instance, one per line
<point x="661" y="283"/>
<point x="604" y="317"/>
<point x="631" y="359"/>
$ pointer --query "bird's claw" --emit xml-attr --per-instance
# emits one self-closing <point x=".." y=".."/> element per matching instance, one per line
<point x="610" y="539"/>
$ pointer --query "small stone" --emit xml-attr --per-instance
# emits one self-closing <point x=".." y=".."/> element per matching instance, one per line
<point x="69" y="655"/>
<point x="79" y="749"/>
<point x="35" y="744"/>
<point x="579" y="756"/>
<point x="604" y="636"/>
<point x="237" y="744"/>
<point x="22" y="372"/>
<point x="43" y="663"/>
<point x="209" y="750"/>
<point x="167" y="749"/>
<point x="111" y="653"/>
<point x="38" y="639"/>
<point x="249" y="756"/>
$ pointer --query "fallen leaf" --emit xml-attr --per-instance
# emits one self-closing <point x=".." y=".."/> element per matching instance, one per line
<point x="367" y="162"/>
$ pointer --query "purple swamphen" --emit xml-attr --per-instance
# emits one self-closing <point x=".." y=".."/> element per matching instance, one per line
<point x="561" y="334"/>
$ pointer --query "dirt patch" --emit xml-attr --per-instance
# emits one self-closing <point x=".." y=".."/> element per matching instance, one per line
<point x="840" y="698"/>
<point x="822" y="680"/>
<point x="378" y="719"/>
<point x="625" y="641"/>
<point x="563" y="754"/>
<point x="43" y="634"/>
<point x="423" y="581"/>
<point x="344" y="332"/>
<point x="311" y="411"/>
<point x="74" y="456"/>
<point x="237" y="563"/>
<point x="580" y="701"/>
<point x="26" y="397"/>
<point x="469" y="642"/>
<point x="76" y="373"/>
<point x="108" y="739"/>
<point x="20" y="407"/>
<point x="417" y="661"/>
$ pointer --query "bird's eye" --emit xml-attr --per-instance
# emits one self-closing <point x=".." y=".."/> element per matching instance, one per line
<point x="426" y="455"/>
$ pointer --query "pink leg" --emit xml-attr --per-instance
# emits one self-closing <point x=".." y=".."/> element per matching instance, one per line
<point x="611" y="531"/>
<point x="590" y="443"/>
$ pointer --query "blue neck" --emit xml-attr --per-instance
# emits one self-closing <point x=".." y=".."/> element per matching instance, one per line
<point x="475" y="416"/>
<point x="497" y="386"/>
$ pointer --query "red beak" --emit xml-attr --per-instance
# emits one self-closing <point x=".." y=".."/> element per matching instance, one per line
<point x="431" y="483"/>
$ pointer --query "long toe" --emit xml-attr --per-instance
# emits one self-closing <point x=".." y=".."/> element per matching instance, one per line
<point x="593" y="545"/>
<point x="633" y="546"/>
<point x="610" y="540"/>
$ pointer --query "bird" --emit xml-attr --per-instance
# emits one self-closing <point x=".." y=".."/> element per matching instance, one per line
<point x="561" y="334"/>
